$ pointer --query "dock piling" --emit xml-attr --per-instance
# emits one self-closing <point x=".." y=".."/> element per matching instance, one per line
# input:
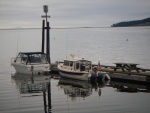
<point x="43" y="35"/>
<point x="48" y="43"/>
<point x="49" y="96"/>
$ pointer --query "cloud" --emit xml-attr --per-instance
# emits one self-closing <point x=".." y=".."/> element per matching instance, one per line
<point x="27" y="13"/>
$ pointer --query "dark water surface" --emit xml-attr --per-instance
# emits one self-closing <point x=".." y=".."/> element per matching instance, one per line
<point x="24" y="94"/>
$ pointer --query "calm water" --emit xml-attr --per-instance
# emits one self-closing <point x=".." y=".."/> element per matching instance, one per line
<point x="107" y="45"/>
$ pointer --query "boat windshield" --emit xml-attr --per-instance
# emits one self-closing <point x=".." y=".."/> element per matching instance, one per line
<point x="32" y="58"/>
<point x="82" y="65"/>
<point x="37" y="58"/>
<point x="68" y="63"/>
<point x="85" y="64"/>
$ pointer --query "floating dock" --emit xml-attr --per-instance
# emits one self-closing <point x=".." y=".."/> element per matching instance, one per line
<point x="138" y="75"/>
<point x="135" y="74"/>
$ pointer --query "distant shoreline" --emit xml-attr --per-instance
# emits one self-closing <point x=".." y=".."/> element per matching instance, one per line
<point x="134" y="23"/>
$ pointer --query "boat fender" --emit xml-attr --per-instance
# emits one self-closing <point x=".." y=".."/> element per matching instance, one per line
<point x="107" y="76"/>
<point x="100" y="77"/>
<point x="93" y="77"/>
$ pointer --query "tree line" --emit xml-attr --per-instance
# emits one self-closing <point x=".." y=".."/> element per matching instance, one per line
<point x="143" y="22"/>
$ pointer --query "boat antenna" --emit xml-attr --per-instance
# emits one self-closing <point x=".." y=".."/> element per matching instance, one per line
<point x="17" y="44"/>
<point x="67" y="45"/>
<point x="78" y="54"/>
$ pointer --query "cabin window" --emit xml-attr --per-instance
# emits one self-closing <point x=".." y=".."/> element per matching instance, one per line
<point x="77" y="65"/>
<point x="82" y="67"/>
<point x="66" y="63"/>
<point x="25" y="58"/>
<point x="22" y="58"/>
<point x="89" y="66"/>
<point x="43" y="58"/>
<point x="71" y="63"/>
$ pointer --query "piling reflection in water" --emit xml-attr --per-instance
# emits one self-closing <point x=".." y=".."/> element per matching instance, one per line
<point x="34" y="85"/>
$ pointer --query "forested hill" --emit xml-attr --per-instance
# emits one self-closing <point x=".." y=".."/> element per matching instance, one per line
<point x="143" y="22"/>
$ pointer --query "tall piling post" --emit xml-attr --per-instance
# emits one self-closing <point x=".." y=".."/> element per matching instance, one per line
<point x="49" y="96"/>
<point x="43" y="35"/>
<point x="44" y="99"/>
<point x="48" y="43"/>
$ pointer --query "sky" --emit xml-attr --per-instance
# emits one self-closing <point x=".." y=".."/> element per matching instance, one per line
<point x="71" y="13"/>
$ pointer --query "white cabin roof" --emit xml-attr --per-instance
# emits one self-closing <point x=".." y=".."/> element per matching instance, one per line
<point x="76" y="60"/>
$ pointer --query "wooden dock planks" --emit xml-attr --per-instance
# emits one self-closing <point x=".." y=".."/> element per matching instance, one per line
<point x="143" y="76"/>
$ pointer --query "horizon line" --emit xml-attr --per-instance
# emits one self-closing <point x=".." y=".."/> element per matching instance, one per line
<point x="51" y="28"/>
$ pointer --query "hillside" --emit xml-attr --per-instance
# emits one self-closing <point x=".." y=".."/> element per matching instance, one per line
<point x="143" y="22"/>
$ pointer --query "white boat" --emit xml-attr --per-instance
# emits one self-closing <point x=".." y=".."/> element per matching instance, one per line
<point x="31" y="63"/>
<point x="75" y="68"/>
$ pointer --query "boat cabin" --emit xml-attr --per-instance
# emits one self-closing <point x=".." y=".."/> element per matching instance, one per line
<point x="78" y="65"/>
<point x="31" y="58"/>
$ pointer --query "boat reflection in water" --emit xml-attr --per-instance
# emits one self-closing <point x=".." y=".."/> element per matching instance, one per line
<point x="129" y="87"/>
<point x="30" y="84"/>
<point x="76" y="88"/>
<point x="34" y="85"/>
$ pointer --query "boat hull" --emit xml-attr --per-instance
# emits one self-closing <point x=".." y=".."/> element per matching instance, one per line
<point x="74" y="75"/>
<point x="31" y="69"/>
